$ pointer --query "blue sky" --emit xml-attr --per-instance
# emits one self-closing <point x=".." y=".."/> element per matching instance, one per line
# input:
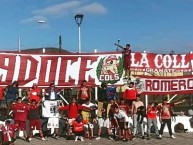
<point x="152" y="25"/>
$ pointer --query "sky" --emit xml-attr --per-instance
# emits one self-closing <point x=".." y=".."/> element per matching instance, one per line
<point x="154" y="26"/>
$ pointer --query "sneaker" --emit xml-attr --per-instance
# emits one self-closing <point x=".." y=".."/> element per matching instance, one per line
<point x="98" y="138"/>
<point x="76" y="138"/>
<point x="56" y="137"/>
<point x="158" y="136"/>
<point x="172" y="136"/>
<point x="110" y="138"/>
<point x="29" y="139"/>
<point x="91" y="138"/>
<point x="43" y="139"/>
<point x="81" y="138"/>
<point x="133" y="137"/>
<point x="143" y="137"/>
<point x="125" y="140"/>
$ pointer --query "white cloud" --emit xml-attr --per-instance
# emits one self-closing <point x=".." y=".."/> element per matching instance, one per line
<point x="94" y="8"/>
<point x="58" y="9"/>
<point x="65" y="8"/>
<point x="33" y="19"/>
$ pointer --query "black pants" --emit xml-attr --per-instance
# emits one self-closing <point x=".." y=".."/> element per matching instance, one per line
<point x="164" y="122"/>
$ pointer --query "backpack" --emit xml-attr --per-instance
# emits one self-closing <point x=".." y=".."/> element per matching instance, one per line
<point x="179" y="128"/>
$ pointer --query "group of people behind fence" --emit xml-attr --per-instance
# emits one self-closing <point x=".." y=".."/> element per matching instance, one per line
<point x="121" y="118"/>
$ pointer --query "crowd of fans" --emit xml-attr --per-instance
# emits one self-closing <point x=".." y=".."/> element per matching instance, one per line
<point x="121" y="118"/>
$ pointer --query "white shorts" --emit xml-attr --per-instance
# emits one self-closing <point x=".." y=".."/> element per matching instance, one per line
<point x="89" y="125"/>
<point x="104" y="122"/>
<point x="71" y="120"/>
<point x="53" y="123"/>
<point x="130" y="122"/>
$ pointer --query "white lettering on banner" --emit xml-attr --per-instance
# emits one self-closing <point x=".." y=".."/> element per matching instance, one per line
<point x="143" y="62"/>
<point x="164" y="61"/>
<point x="168" y="85"/>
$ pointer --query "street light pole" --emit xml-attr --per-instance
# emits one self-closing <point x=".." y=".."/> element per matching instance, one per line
<point x="78" y="18"/>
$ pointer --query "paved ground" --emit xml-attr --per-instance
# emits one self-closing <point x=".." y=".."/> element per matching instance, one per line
<point x="181" y="139"/>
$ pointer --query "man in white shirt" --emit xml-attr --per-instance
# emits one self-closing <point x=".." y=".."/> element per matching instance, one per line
<point x="122" y="122"/>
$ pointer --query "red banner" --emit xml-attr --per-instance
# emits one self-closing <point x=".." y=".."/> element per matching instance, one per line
<point x="150" y="62"/>
<point x="71" y="70"/>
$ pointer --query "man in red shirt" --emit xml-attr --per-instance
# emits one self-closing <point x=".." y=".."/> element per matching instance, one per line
<point x="73" y="111"/>
<point x="165" y="114"/>
<point x="78" y="128"/>
<point x="34" y="93"/>
<point x="152" y="119"/>
<point x="34" y="119"/>
<point x="130" y="94"/>
<point x="20" y="111"/>
<point x="123" y="106"/>
<point x="127" y="60"/>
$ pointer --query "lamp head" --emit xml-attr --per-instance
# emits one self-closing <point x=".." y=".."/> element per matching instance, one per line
<point x="78" y="18"/>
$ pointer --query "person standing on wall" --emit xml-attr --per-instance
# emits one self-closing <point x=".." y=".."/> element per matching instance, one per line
<point x="127" y="59"/>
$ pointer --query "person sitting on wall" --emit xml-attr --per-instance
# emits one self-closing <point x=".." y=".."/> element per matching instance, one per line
<point x="34" y="93"/>
<point x="130" y="94"/>
<point x="51" y="92"/>
<point x="12" y="93"/>
<point x="83" y="92"/>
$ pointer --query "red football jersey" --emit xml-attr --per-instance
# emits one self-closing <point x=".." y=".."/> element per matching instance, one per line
<point x="20" y="111"/>
<point x="130" y="93"/>
<point x="34" y="94"/>
<point x="8" y="132"/>
<point x="78" y="127"/>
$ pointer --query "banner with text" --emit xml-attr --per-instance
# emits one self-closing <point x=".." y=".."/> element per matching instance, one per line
<point x="70" y="70"/>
